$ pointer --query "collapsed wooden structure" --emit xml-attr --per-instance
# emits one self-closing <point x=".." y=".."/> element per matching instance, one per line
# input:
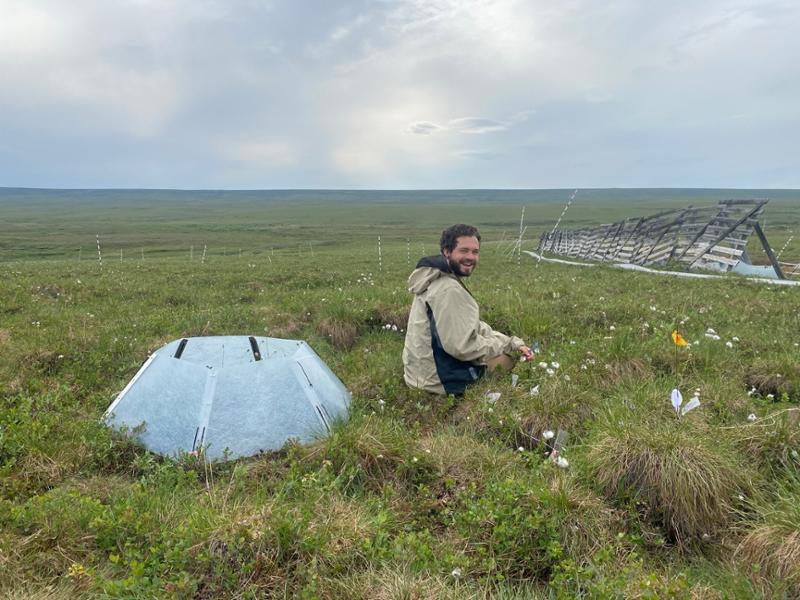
<point x="713" y="237"/>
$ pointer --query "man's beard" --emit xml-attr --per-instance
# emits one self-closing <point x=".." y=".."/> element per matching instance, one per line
<point x="456" y="268"/>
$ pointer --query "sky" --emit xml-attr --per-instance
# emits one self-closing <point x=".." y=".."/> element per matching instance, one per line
<point x="402" y="94"/>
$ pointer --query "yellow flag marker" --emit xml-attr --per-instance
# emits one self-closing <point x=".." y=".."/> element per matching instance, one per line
<point x="678" y="339"/>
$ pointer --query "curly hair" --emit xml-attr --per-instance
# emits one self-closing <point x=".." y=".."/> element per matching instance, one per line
<point x="449" y="239"/>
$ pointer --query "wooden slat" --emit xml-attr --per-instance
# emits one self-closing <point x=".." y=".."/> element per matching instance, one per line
<point x="729" y="251"/>
<point x="720" y="259"/>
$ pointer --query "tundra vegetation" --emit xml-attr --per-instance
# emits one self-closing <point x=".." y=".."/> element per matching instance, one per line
<point x="415" y="496"/>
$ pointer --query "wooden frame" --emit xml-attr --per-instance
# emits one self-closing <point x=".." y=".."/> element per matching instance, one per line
<point x="710" y="238"/>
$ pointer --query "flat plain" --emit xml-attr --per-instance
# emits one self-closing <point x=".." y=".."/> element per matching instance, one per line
<point x="414" y="496"/>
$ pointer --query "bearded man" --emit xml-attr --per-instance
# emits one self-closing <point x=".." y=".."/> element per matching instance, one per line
<point x="447" y="346"/>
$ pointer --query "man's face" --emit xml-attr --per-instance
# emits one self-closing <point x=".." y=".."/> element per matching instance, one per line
<point x="464" y="257"/>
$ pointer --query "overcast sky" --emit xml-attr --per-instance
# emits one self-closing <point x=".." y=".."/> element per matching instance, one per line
<point x="399" y="94"/>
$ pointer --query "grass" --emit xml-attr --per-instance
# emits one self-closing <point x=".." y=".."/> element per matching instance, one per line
<point x="677" y="476"/>
<point x="770" y="549"/>
<point x="415" y="496"/>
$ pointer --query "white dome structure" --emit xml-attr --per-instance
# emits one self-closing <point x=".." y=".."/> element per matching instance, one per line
<point x="229" y="397"/>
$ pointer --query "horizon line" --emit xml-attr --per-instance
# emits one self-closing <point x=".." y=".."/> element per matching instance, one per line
<point x="442" y="189"/>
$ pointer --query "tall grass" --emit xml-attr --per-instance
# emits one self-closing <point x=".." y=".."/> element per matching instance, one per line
<point x="414" y="496"/>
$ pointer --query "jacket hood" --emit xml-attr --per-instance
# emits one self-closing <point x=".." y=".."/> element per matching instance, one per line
<point x="429" y="268"/>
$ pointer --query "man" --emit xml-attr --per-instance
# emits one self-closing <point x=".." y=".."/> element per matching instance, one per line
<point x="447" y="346"/>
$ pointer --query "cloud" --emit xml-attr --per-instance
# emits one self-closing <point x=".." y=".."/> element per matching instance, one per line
<point x="424" y="127"/>
<point x="267" y="94"/>
<point x="471" y="125"/>
<point x="476" y="125"/>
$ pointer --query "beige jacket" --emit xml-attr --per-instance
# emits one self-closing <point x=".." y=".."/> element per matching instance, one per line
<point x="447" y="345"/>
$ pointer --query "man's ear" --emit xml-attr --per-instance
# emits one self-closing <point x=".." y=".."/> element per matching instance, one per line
<point x="446" y="253"/>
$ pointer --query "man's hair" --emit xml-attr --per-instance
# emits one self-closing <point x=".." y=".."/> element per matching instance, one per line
<point x="450" y="236"/>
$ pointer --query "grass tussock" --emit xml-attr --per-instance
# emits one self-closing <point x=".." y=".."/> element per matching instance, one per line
<point x="770" y="551"/>
<point x="520" y="417"/>
<point x="626" y="369"/>
<point x="392" y="583"/>
<point x="587" y="524"/>
<point x="382" y="315"/>
<point x="773" y="441"/>
<point x="682" y="479"/>
<point x="766" y="382"/>
<point x="552" y="409"/>
<point x="62" y="592"/>
<point x="464" y="459"/>
<point x="371" y="453"/>
<point x="342" y="334"/>
<point x="462" y="462"/>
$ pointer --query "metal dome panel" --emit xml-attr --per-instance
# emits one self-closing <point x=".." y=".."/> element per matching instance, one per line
<point x="229" y="396"/>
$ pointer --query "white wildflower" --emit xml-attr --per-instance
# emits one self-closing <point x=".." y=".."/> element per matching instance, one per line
<point x="520" y="449"/>
<point x="550" y="372"/>
<point x="729" y="344"/>
<point x="542" y="365"/>
<point x="561" y="462"/>
<point x="752" y="417"/>
<point x="514" y="379"/>
<point x="456" y="572"/>
<point x="555" y="365"/>
<point x="548" y="434"/>
<point x="534" y="391"/>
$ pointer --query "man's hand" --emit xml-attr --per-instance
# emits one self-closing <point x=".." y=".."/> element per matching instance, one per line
<point x="527" y="353"/>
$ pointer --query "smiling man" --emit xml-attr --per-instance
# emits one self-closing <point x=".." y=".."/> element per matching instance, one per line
<point x="447" y="346"/>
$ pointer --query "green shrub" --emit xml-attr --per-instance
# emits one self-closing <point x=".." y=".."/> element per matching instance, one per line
<point x="369" y="452"/>
<point x="508" y="533"/>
